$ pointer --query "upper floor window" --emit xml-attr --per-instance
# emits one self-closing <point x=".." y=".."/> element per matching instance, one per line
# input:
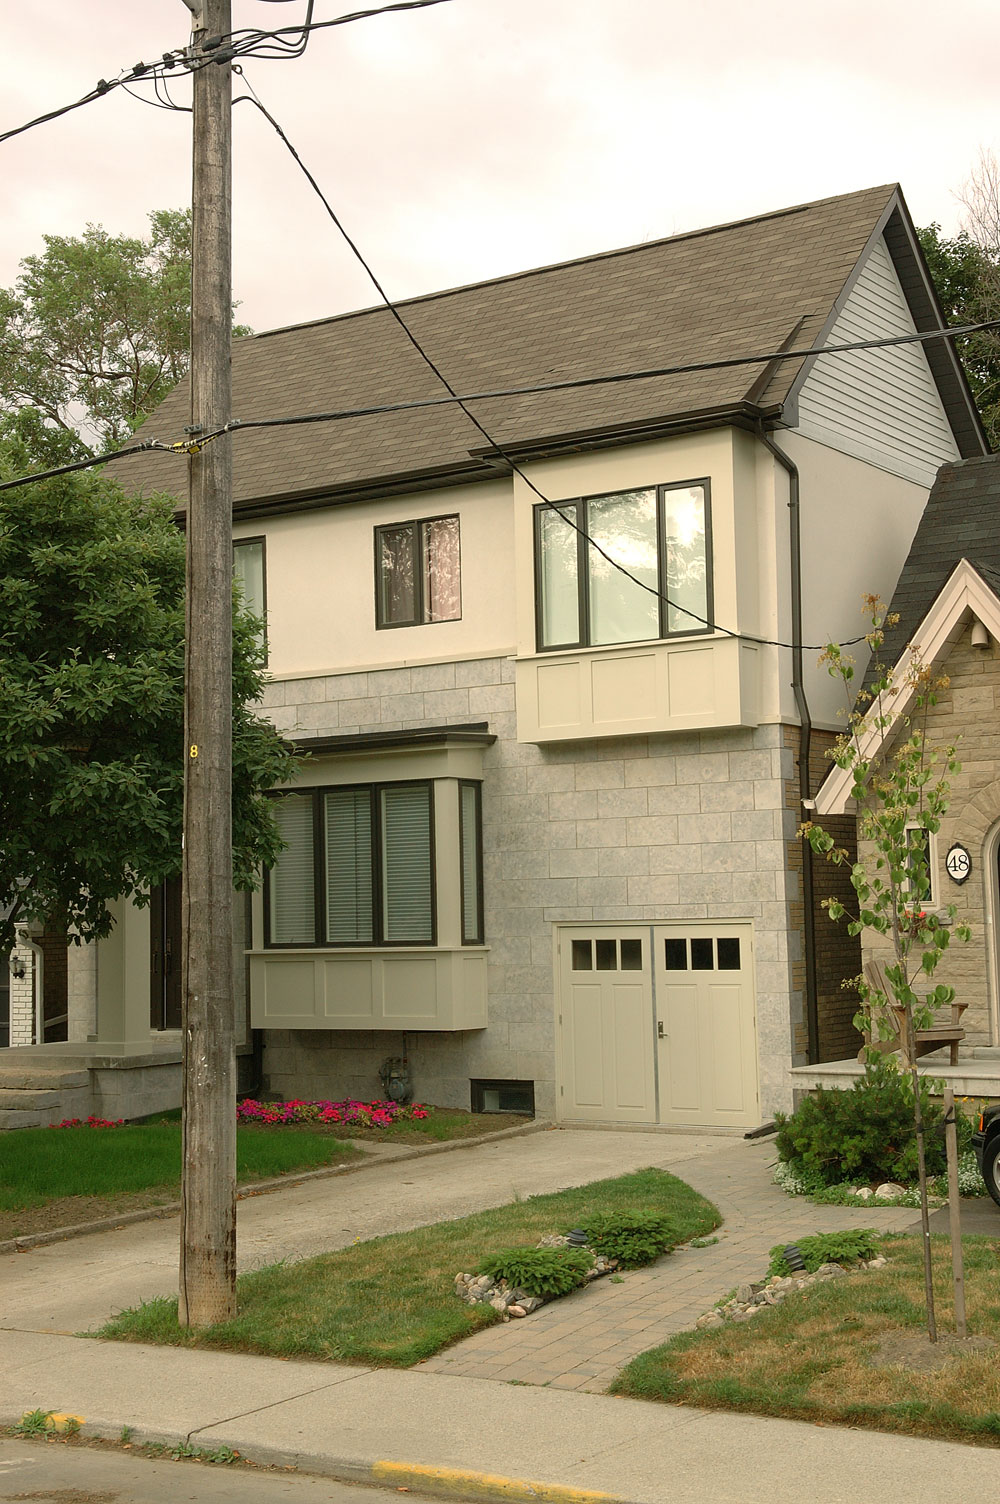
<point x="248" y="569"/>
<point x="660" y="535"/>
<point x="417" y="572"/>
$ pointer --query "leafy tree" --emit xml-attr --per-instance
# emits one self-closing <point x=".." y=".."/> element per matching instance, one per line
<point x="967" y="278"/>
<point x="93" y="335"/>
<point x="92" y="707"/>
<point x="899" y="787"/>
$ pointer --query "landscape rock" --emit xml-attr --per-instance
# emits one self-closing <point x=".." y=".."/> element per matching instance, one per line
<point x="516" y="1311"/>
<point x="750" y="1300"/>
<point x="888" y="1191"/>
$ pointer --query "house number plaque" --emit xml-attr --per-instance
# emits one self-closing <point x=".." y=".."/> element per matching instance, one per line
<point x="958" y="863"/>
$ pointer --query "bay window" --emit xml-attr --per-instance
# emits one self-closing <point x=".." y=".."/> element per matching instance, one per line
<point x="660" y="536"/>
<point x="360" y="865"/>
<point x="357" y="868"/>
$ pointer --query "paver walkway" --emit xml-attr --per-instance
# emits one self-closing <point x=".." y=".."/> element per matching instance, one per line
<point x="581" y="1341"/>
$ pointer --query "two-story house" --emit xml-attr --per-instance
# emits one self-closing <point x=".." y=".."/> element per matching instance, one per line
<point x="544" y="848"/>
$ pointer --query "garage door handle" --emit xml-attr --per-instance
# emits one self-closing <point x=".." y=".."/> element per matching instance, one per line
<point x="659" y="1029"/>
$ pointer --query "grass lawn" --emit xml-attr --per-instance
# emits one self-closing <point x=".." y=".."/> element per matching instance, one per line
<point x="817" y="1356"/>
<point x="60" y="1177"/>
<point x="391" y="1301"/>
<point x="52" y="1178"/>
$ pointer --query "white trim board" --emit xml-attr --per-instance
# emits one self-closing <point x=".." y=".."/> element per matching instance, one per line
<point x="965" y="592"/>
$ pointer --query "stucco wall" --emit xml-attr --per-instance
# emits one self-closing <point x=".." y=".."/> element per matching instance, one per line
<point x="655" y="828"/>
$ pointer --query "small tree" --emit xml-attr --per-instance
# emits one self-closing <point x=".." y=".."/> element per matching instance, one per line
<point x="92" y="708"/>
<point x="901" y="790"/>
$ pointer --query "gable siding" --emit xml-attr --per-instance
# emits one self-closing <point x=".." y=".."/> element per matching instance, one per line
<point x="878" y="405"/>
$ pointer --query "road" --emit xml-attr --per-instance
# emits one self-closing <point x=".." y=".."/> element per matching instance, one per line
<point x="53" y="1472"/>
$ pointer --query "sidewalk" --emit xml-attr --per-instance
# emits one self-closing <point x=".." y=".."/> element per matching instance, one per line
<point x="448" y="1427"/>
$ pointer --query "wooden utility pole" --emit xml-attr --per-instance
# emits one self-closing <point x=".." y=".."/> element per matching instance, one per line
<point x="208" y="1185"/>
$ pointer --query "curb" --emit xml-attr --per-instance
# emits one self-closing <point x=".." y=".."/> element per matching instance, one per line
<point x="261" y="1187"/>
<point x="420" y="1478"/>
<point x="461" y="1483"/>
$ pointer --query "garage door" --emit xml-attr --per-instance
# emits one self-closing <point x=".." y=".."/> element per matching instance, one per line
<point x="656" y="1023"/>
<point x="605" y="1019"/>
<point x="706" y="1044"/>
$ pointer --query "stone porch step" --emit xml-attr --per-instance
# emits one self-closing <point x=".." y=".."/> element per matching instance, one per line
<point x="12" y="1117"/>
<point x="32" y="1100"/>
<point x="27" y="1078"/>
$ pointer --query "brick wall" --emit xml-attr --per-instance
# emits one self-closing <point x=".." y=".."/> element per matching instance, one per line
<point x="837" y="954"/>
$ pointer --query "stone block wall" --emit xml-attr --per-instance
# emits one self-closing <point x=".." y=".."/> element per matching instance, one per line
<point x="638" y="829"/>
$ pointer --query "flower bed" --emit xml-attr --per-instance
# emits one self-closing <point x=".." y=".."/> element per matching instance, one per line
<point x="374" y="1114"/>
<point x="91" y="1122"/>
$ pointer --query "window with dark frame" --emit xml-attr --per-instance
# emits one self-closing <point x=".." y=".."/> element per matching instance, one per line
<point x="660" y="534"/>
<point x="418" y="573"/>
<point x="470" y="816"/>
<point x="250" y="571"/>
<point x="358" y="867"/>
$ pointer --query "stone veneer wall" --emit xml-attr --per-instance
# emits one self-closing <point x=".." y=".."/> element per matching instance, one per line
<point x="690" y="826"/>
<point x="968" y="714"/>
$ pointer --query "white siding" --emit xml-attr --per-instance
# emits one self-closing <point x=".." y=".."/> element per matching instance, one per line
<point x="878" y="405"/>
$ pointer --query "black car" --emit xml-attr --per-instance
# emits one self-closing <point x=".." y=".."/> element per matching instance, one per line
<point x="986" y="1143"/>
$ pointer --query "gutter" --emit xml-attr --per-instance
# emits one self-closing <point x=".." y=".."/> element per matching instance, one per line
<point x="805" y="737"/>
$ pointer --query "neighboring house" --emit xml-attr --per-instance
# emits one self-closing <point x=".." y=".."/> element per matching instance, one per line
<point x="545" y="846"/>
<point x="948" y="603"/>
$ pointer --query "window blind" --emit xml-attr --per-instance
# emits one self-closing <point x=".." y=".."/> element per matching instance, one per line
<point x="407" y="884"/>
<point x="349" y="891"/>
<point x="471" y="923"/>
<point x="293" y="908"/>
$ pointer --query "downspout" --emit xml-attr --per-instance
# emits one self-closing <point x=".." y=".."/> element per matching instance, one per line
<point x="805" y="737"/>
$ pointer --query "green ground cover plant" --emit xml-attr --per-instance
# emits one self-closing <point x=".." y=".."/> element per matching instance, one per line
<point x="390" y="1301"/>
<point x="540" y="1271"/>
<point x="848" y="1352"/>
<point x="828" y="1248"/>
<point x="632" y="1237"/>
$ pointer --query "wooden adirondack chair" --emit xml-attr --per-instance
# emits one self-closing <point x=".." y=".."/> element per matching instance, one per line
<point x="925" y="1040"/>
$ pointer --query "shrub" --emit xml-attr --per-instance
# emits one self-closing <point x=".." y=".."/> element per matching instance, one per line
<point x="540" y="1271"/>
<point x="633" y="1238"/>
<point x="828" y="1248"/>
<point x="865" y="1134"/>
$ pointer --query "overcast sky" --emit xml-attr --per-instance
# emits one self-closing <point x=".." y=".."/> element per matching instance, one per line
<point x="484" y="136"/>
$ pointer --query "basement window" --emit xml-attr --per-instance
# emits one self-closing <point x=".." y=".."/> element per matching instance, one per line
<point x="503" y="1096"/>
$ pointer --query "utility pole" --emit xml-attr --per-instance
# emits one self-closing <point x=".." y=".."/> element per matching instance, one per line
<point x="208" y="1176"/>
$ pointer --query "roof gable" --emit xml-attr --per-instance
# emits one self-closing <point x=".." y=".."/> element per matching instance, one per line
<point x="882" y="405"/>
<point x="969" y="589"/>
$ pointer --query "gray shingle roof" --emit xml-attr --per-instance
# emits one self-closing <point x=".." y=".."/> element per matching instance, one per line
<point x="744" y="287"/>
<point x="961" y="521"/>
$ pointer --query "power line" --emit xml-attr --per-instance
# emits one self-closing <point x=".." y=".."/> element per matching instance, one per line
<point x="462" y="402"/>
<point x="645" y="374"/>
